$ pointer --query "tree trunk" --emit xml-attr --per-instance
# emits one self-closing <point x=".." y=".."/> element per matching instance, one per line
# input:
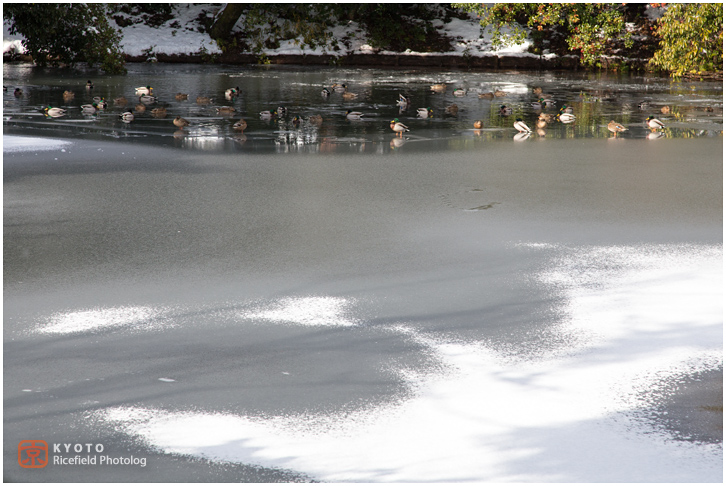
<point x="226" y="20"/>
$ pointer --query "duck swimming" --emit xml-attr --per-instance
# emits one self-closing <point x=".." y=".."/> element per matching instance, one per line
<point x="425" y="112"/>
<point x="54" y="112"/>
<point x="181" y="122"/>
<point x="89" y="109"/>
<point x="353" y="115"/>
<point x="143" y="90"/>
<point x="126" y="116"/>
<point x="240" y="126"/>
<point x="566" y="117"/>
<point x="505" y="110"/>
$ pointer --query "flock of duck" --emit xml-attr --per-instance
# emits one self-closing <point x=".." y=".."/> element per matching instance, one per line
<point x="146" y="97"/>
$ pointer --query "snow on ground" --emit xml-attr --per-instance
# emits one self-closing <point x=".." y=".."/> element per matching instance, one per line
<point x="640" y="311"/>
<point x="180" y="36"/>
<point x="14" y="143"/>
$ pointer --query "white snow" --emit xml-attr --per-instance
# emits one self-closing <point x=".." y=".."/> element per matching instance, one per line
<point x="17" y="143"/>
<point x="640" y="312"/>
<point x="90" y="320"/>
<point x="305" y="311"/>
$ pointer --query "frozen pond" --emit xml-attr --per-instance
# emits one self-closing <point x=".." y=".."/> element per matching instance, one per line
<point x="334" y="303"/>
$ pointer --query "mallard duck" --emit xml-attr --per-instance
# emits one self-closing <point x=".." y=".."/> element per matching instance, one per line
<point x="353" y="115"/>
<point x="226" y="110"/>
<point x="325" y="93"/>
<point x="181" y="96"/>
<point x="121" y="101"/>
<point x="89" y="109"/>
<point x="89" y="84"/>
<point x="140" y="108"/>
<point x="158" y="112"/>
<point x="240" y="126"/>
<point x="537" y="90"/>
<point x="126" y="116"/>
<point x="452" y="109"/>
<point x="548" y="102"/>
<point x="478" y="124"/>
<point x="521" y="126"/>
<point x="537" y="105"/>
<point x="349" y="96"/>
<point x="296" y="121"/>
<point x="203" y="100"/>
<point x="316" y="119"/>
<point x="425" y="112"/>
<point x="665" y="110"/>
<point x="540" y="123"/>
<point x="654" y="123"/>
<point x="101" y="103"/>
<point x="181" y="122"/>
<point x="486" y="96"/>
<point x="339" y="88"/>
<point x="403" y="101"/>
<point x="147" y="99"/>
<point x="566" y="117"/>
<point x="231" y="93"/>
<point x="504" y="110"/>
<point x="144" y="90"/>
<point x="68" y="95"/>
<point x="54" y="112"/>
<point x="547" y="117"/>
<point x="459" y="92"/>
<point x="281" y="111"/>
<point x="267" y="114"/>
<point x="18" y="92"/>
<point x="499" y="93"/>
<point x="398" y="127"/>
<point x="566" y="109"/>
<point x="616" y="127"/>
<point x="438" y="88"/>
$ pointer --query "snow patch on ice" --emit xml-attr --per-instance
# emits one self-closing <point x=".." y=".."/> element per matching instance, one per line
<point x="306" y="311"/>
<point x="16" y="143"/>
<point x="90" y="320"/>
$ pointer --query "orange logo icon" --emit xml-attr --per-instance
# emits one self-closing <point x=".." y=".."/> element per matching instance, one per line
<point x="33" y="453"/>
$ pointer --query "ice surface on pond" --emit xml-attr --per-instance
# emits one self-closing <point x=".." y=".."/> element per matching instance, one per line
<point x="306" y="311"/>
<point x="641" y="311"/>
<point x="15" y="143"/>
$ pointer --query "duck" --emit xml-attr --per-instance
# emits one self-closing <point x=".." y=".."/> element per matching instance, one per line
<point x="143" y="90"/>
<point x="339" y="88"/>
<point x="89" y="109"/>
<point x="231" y="93"/>
<point x="654" y="123"/>
<point x="566" y="117"/>
<point x="349" y="96"/>
<point x="181" y="122"/>
<point x="478" y="124"/>
<point x="537" y="105"/>
<point x="325" y="93"/>
<point x="140" y="108"/>
<point x="548" y="102"/>
<point x="643" y="105"/>
<point x="499" y="93"/>
<point x="398" y="127"/>
<point x="281" y="111"/>
<point x="296" y="121"/>
<point x="54" y="112"/>
<point x="89" y="84"/>
<point x="521" y="126"/>
<point x="158" y="112"/>
<point x="181" y="96"/>
<point x="226" y="110"/>
<point x="120" y="101"/>
<point x="438" y="88"/>
<point x="616" y="127"/>
<point x="567" y="109"/>
<point x="665" y="110"/>
<point x="18" y="92"/>
<point x="68" y="95"/>
<point x="403" y="101"/>
<point x="203" y="100"/>
<point x="537" y="90"/>
<point x="240" y="126"/>
<point x="316" y="119"/>
<point x="126" y="116"/>
<point x="504" y="110"/>
<point x="452" y="109"/>
<point x="147" y="99"/>
<point x="459" y="92"/>
<point x="547" y="117"/>
<point x="425" y="112"/>
<point x="486" y="96"/>
<point x="267" y="114"/>
<point x="353" y="115"/>
<point x="101" y="103"/>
